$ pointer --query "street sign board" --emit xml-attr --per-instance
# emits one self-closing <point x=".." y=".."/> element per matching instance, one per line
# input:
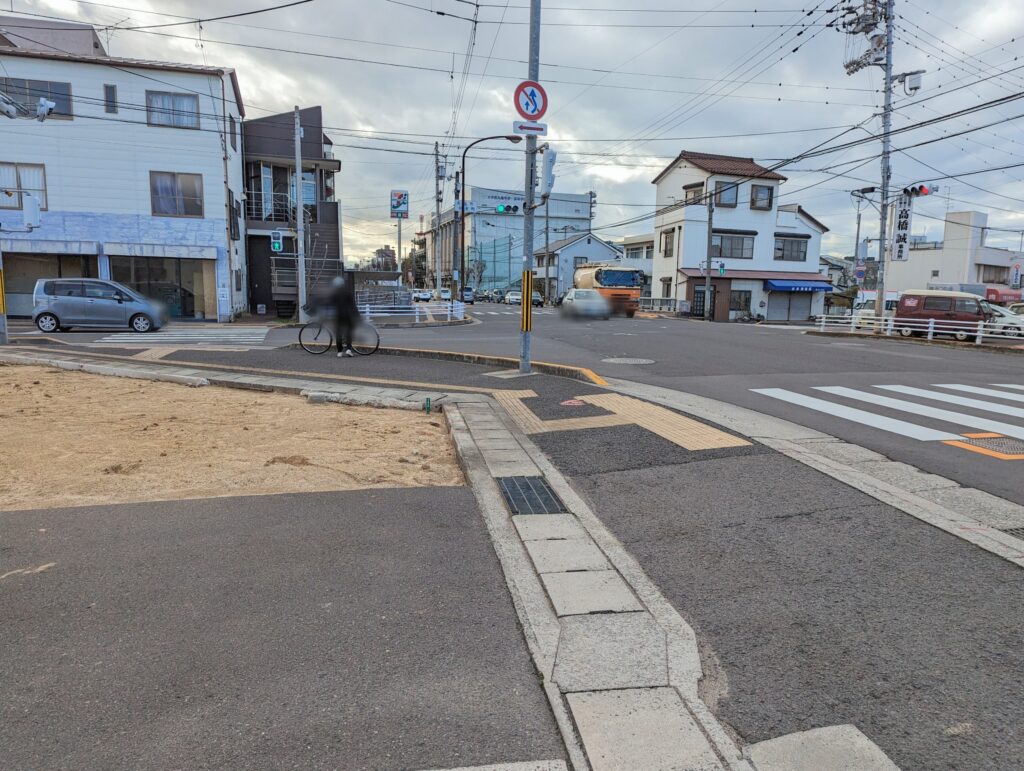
<point x="860" y="274"/>
<point x="1015" y="275"/>
<point x="399" y="204"/>
<point x="900" y="250"/>
<point x="530" y="128"/>
<point x="531" y="100"/>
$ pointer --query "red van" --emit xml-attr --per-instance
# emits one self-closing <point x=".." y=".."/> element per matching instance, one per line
<point x="955" y="313"/>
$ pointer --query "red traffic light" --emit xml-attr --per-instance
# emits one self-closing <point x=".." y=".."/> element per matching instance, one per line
<point x="915" y="190"/>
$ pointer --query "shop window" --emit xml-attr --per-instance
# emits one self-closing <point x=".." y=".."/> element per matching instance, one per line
<point x="176" y="195"/>
<point x="739" y="300"/>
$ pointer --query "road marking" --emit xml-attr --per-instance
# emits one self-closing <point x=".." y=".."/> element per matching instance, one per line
<point x="1009" y="385"/>
<point x="892" y="425"/>
<point x="27" y="571"/>
<point x="962" y="401"/>
<point x="982" y="391"/>
<point x="960" y="418"/>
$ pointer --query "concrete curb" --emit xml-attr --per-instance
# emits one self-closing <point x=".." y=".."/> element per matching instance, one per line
<point x="966" y="346"/>
<point x="323" y="397"/>
<point x="548" y="368"/>
<point x="103" y="369"/>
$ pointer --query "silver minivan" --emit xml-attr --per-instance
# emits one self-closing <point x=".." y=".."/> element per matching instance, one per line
<point x="64" y="303"/>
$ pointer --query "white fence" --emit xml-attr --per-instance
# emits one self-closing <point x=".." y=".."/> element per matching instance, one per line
<point x="417" y="312"/>
<point x="996" y="329"/>
<point x="663" y="304"/>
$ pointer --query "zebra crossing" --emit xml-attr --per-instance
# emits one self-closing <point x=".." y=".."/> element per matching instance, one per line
<point x="512" y="313"/>
<point x="190" y="336"/>
<point x="974" y="417"/>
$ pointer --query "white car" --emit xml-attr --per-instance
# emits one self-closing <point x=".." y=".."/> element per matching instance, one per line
<point x="422" y="295"/>
<point x="585" y="303"/>
<point x="446" y="294"/>
<point x="864" y="312"/>
<point x="1006" y="322"/>
<point x="515" y="297"/>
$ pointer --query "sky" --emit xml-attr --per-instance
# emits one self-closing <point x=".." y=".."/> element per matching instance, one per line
<point x="630" y="85"/>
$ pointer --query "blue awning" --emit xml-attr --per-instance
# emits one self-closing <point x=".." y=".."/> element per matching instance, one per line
<point x="797" y="286"/>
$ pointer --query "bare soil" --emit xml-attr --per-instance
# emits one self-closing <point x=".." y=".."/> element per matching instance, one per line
<point x="74" y="439"/>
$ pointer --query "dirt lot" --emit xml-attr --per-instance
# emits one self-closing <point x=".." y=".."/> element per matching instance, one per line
<point x="72" y="439"/>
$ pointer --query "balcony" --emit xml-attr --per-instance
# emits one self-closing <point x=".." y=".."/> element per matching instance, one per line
<point x="280" y="208"/>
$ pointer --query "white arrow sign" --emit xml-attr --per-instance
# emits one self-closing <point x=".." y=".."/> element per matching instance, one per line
<point x="529" y="128"/>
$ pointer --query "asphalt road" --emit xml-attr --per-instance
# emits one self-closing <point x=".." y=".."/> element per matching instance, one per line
<point x="814" y="604"/>
<point x="358" y="630"/>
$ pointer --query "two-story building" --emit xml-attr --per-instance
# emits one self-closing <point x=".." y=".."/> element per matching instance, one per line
<point x="138" y="172"/>
<point x="764" y="256"/>
<point x="555" y="264"/>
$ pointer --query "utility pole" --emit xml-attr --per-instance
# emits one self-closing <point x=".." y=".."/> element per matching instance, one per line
<point x="439" y="171"/>
<point x="707" y="267"/>
<point x="886" y="167"/>
<point x="530" y="177"/>
<point x="399" y="260"/>
<point x="547" y="249"/>
<point x="300" y="223"/>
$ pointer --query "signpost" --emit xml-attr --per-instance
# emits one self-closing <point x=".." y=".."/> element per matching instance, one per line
<point x="1015" y="275"/>
<point x="399" y="211"/>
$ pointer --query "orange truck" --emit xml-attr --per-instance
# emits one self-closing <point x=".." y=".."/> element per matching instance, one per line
<point x="618" y="285"/>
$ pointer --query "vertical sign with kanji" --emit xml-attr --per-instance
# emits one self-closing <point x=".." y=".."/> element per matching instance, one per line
<point x="900" y="251"/>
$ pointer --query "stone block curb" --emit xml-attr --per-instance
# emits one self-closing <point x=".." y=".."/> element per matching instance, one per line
<point x="105" y="369"/>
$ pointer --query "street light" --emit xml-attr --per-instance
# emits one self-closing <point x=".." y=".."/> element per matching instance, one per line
<point x="514" y="139"/>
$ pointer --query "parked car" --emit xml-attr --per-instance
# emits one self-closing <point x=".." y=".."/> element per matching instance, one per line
<point x="864" y="312"/>
<point x="585" y="303"/>
<point x="422" y="295"/>
<point x="536" y="300"/>
<point x="63" y="303"/>
<point x="954" y="313"/>
<point x="446" y="294"/>
<point x="468" y="295"/>
<point x="1017" y="308"/>
<point x="1006" y="322"/>
<point x="513" y="297"/>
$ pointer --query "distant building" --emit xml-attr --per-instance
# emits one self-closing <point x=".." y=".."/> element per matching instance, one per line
<point x="555" y="265"/>
<point x="765" y="256"/>
<point x="961" y="260"/>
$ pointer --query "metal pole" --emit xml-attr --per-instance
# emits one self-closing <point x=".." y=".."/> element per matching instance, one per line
<point x="435" y="234"/>
<point x="886" y="169"/>
<point x="856" y="242"/>
<point x="300" y="222"/>
<point x="399" y="265"/>
<point x="547" y="250"/>
<point x="4" y="339"/>
<point x="462" y="228"/>
<point x="528" y="189"/>
<point x="456" y="247"/>
<point x="707" y="267"/>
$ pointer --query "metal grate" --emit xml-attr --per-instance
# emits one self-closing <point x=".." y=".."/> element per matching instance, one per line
<point x="529" y="495"/>
<point x="1016" y="532"/>
<point x="1001" y="444"/>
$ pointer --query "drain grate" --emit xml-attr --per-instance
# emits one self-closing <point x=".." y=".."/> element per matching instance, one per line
<point x="529" y="495"/>
<point x="1016" y="532"/>
<point x="1003" y="444"/>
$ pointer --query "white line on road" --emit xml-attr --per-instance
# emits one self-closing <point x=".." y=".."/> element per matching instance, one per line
<point x="893" y="426"/>
<point x="1009" y="385"/>
<point x="963" y="401"/>
<point x="982" y="391"/>
<point x="960" y="418"/>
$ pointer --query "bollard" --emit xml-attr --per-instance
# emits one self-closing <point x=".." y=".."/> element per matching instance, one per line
<point x="426" y="405"/>
<point x="822" y="317"/>
<point x="981" y="332"/>
<point x="888" y="325"/>
<point x="931" y="329"/>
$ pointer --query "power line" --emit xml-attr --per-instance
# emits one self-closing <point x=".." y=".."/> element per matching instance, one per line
<point x="220" y="18"/>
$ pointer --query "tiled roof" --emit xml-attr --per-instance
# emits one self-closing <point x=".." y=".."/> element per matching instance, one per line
<point x="729" y="165"/>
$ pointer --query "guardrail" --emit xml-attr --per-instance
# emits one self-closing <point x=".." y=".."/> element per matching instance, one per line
<point x="658" y="304"/>
<point x="417" y="312"/>
<point x="998" y="328"/>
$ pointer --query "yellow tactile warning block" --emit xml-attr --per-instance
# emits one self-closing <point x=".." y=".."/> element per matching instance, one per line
<point x="687" y="433"/>
<point x="152" y="354"/>
<point x="512" y="401"/>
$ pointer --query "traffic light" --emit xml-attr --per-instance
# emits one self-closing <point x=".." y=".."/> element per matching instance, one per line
<point x="276" y="241"/>
<point x="504" y="208"/>
<point x="916" y="190"/>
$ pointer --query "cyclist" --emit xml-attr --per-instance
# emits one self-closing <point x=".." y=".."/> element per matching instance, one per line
<point x="346" y="314"/>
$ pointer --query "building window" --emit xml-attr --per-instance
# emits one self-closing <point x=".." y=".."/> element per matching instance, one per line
<point x="233" y="212"/>
<point x="577" y="261"/>
<point x="994" y="274"/>
<point x="649" y="251"/>
<point x="16" y="179"/>
<point x="726" y="194"/>
<point x="693" y="193"/>
<point x="935" y="274"/>
<point x="233" y="129"/>
<point x="791" y="249"/>
<point x="668" y="243"/>
<point x="28" y="92"/>
<point x="176" y="195"/>
<point x="761" y="197"/>
<point x="110" y="99"/>
<point x="666" y="288"/>
<point x="733" y="247"/>
<point x="634" y="252"/>
<point x="739" y="300"/>
<point x="175" y="110"/>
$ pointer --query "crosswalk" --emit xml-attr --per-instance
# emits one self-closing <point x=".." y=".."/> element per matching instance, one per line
<point x="512" y="313"/>
<point x="188" y="336"/>
<point x="955" y="413"/>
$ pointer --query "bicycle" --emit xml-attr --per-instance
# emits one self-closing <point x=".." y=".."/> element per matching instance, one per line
<point x="316" y="337"/>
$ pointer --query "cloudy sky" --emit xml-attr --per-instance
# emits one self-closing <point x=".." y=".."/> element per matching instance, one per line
<point x="629" y="84"/>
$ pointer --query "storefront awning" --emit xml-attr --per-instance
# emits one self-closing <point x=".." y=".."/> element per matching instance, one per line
<point x="798" y="286"/>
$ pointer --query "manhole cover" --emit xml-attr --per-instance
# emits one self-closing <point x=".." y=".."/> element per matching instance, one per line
<point x="529" y="495"/>
<point x="628" y="361"/>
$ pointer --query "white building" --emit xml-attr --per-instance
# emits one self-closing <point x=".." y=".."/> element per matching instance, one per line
<point x="765" y="256"/>
<point x="139" y="172"/>
<point x="961" y="261"/>
<point x="556" y="264"/>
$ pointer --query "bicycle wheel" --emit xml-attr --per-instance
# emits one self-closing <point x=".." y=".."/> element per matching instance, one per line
<point x="365" y="339"/>
<point x="315" y="337"/>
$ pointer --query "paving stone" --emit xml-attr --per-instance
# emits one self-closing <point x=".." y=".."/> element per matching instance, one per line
<point x="544" y="527"/>
<point x="833" y="747"/>
<point x="978" y="505"/>
<point x="905" y="476"/>
<point x="648" y="729"/>
<point x="564" y="556"/>
<point x="596" y="591"/>
<point x="609" y="651"/>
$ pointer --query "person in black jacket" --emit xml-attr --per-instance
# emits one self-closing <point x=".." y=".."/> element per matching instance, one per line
<point x="346" y="314"/>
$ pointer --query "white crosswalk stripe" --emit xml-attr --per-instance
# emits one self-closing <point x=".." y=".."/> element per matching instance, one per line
<point x="965" y="422"/>
<point x="195" y="336"/>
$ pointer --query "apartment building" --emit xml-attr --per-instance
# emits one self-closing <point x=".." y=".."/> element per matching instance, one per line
<point x="764" y="255"/>
<point x="138" y="173"/>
